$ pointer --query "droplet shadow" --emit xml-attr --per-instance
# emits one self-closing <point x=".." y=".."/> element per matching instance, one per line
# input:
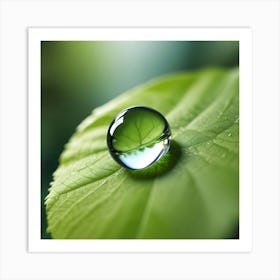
<point x="161" y="167"/>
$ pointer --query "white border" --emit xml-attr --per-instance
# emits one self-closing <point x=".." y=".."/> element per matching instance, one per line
<point x="36" y="35"/>
<point x="263" y="17"/>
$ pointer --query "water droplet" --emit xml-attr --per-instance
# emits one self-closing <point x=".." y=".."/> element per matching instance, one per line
<point x="138" y="137"/>
<point x="229" y="134"/>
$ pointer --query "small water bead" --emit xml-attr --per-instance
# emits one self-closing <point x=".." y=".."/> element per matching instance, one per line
<point x="138" y="137"/>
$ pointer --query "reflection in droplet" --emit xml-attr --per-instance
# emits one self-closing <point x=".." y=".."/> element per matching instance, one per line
<point x="138" y="137"/>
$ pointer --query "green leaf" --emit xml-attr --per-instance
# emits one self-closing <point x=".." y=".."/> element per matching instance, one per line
<point x="192" y="192"/>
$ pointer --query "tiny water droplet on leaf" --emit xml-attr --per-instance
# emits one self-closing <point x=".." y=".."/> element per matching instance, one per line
<point x="138" y="137"/>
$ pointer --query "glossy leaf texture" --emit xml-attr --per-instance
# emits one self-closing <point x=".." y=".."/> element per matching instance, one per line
<point x="191" y="193"/>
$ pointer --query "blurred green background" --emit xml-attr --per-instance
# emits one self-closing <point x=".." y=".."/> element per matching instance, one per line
<point x="78" y="76"/>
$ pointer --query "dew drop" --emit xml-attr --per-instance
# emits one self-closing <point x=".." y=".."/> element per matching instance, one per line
<point x="229" y="134"/>
<point x="138" y="137"/>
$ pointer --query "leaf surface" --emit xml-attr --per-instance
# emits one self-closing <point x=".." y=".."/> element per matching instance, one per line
<point x="191" y="193"/>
